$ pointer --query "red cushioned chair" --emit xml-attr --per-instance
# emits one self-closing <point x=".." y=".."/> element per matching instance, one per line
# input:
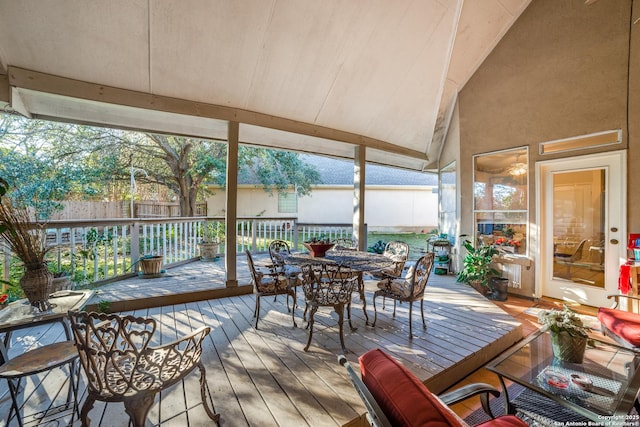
<point x="621" y="326"/>
<point x="394" y="397"/>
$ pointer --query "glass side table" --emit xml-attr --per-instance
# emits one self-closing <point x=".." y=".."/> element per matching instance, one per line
<point x="602" y="389"/>
<point x="20" y="314"/>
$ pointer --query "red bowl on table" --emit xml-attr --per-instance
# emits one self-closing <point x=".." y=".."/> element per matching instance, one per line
<point x="318" y="249"/>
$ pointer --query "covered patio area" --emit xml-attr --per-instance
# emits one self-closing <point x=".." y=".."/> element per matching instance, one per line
<point x="263" y="377"/>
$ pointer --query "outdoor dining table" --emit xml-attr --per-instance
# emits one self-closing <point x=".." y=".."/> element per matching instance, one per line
<point x="359" y="262"/>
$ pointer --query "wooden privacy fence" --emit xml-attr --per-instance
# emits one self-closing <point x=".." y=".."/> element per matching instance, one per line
<point x="88" y="210"/>
<point x="95" y="251"/>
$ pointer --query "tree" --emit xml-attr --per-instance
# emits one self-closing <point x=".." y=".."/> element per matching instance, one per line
<point x="185" y="164"/>
<point x="40" y="175"/>
<point x="90" y="161"/>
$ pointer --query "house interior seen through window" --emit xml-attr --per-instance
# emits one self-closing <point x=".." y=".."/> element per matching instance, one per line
<point x="578" y="226"/>
<point x="500" y="191"/>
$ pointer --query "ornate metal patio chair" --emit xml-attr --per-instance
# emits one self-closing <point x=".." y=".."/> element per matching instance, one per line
<point x="328" y="287"/>
<point x="398" y="252"/>
<point x="278" y="249"/>
<point x="393" y="396"/>
<point x="270" y="284"/>
<point x="407" y="289"/>
<point x="121" y="366"/>
<point x="344" y="244"/>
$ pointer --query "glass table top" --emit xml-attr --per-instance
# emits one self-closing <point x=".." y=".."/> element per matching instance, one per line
<point x="605" y="384"/>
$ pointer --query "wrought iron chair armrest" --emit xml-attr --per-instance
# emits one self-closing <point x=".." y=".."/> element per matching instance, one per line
<point x="616" y="298"/>
<point x="196" y="337"/>
<point x="471" y="390"/>
<point x="387" y="275"/>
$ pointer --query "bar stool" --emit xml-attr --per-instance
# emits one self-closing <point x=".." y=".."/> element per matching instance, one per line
<point x="41" y="359"/>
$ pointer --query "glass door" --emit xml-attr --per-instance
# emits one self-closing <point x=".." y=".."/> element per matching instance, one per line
<point x="582" y="227"/>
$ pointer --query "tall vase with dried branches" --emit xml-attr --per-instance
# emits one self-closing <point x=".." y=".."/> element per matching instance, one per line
<point x="27" y="241"/>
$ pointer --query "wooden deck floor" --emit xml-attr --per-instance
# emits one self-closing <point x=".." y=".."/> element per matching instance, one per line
<point x="264" y="378"/>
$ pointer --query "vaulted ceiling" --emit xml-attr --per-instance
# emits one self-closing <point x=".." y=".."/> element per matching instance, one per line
<point x="311" y="76"/>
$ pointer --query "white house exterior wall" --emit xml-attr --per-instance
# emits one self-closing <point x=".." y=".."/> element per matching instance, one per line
<point x="387" y="208"/>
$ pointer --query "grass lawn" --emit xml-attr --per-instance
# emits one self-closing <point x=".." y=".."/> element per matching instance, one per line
<point x="417" y="241"/>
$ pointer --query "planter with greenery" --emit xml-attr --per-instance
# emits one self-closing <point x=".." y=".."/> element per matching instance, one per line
<point x="476" y="267"/>
<point x="29" y="243"/>
<point x="213" y="233"/>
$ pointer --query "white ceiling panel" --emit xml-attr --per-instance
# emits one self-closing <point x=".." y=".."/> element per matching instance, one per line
<point x="380" y="73"/>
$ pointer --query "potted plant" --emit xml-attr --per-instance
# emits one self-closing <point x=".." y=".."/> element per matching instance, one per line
<point x="569" y="335"/>
<point x="318" y="246"/>
<point x="213" y="233"/>
<point x="29" y="243"/>
<point x="61" y="279"/>
<point x="476" y="266"/>
<point x="151" y="265"/>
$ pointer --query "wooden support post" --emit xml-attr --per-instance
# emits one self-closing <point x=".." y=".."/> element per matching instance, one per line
<point x="359" y="166"/>
<point x="232" y="205"/>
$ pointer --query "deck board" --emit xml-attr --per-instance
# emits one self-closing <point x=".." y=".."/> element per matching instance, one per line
<point x="263" y="377"/>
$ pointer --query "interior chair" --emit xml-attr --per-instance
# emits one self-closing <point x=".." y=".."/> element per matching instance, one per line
<point x="409" y="288"/>
<point x="621" y="326"/>
<point x="122" y="366"/>
<point x="327" y="287"/>
<point x="393" y="396"/>
<point x="569" y="259"/>
<point x="398" y="252"/>
<point x="270" y="284"/>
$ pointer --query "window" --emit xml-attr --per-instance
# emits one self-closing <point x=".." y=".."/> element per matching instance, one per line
<point x="448" y="199"/>
<point x="500" y="193"/>
<point x="287" y="203"/>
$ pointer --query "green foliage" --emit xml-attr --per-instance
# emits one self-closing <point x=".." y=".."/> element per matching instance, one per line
<point x="104" y="306"/>
<point x="278" y="170"/>
<point x="65" y="161"/>
<point x="213" y="232"/>
<point x="476" y="266"/>
<point x="377" y="247"/>
<point x="565" y="320"/>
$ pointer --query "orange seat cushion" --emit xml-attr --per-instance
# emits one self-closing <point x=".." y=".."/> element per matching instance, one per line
<point x="401" y="396"/>
<point x="406" y="401"/>
<point x="622" y="323"/>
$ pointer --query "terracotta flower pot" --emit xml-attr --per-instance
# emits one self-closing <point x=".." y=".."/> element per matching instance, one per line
<point x="151" y="265"/>
<point x="318" y="249"/>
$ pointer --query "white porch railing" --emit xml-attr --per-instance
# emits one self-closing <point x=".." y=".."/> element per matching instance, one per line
<point x="96" y="251"/>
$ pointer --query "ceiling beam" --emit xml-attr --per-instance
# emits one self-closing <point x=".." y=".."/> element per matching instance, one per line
<point x="33" y="80"/>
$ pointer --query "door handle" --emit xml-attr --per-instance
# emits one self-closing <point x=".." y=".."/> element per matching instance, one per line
<point x="614" y="241"/>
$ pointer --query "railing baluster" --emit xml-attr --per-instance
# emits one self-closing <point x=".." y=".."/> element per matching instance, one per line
<point x="175" y="238"/>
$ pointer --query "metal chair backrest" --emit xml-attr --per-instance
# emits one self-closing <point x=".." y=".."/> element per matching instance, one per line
<point x="327" y="285"/>
<point x="276" y="250"/>
<point x="399" y="252"/>
<point x="120" y="363"/>
<point x="421" y="271"/>
<point x="255" y="275"/>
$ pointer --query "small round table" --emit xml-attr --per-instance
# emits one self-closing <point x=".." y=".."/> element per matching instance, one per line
<point x="40" y="360"/>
